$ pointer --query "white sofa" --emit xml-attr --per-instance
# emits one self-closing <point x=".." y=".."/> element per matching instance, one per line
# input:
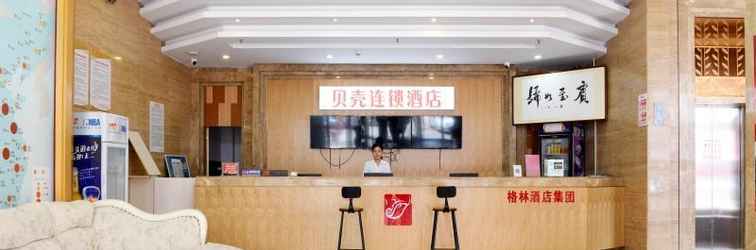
<point x="109" y="224"/>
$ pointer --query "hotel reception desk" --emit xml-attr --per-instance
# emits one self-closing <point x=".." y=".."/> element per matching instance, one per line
<point x="268" y="213"/>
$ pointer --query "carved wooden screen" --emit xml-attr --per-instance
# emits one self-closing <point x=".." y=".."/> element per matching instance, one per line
<point x="720" y="46"/>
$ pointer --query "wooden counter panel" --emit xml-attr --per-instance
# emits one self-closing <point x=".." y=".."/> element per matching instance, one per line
<point x="307" y="217"/>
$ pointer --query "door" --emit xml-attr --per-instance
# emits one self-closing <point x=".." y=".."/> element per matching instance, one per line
<point x="719" y="182"/>
<point x="116" y="172"/>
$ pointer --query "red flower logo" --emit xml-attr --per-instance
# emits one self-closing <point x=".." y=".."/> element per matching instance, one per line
<point x="397" y="209"/>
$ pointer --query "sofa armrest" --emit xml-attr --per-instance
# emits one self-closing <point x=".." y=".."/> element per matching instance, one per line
<point x="195" y="215"/>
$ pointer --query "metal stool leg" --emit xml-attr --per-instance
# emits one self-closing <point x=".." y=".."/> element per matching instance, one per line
<point x="454" y="226"/>
<point x="341" y="226"/>
<point x="362" y="232"/>
<point x="433" y="236"/>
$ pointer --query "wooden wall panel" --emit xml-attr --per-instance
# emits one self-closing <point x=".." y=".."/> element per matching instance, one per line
<point x="290" y="100"/>
<point x="144" y="74"/>
<point x="289" y="215"/>
<point x="222" y="105"/>
<point x="64" y="60"/>
<point x="206" y="77"/>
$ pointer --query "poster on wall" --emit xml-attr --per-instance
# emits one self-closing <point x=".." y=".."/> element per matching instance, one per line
<point x="576" y="95"/>
<point x="81" y="77"/>
<point x="157" y="127"/>
<point x="99" y="85"/>
<point x="27" y="91"/>
<point x="642" y="110"/>
<point x="87" y="160"/>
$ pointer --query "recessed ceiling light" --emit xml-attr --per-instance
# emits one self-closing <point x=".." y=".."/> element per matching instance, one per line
<point x="440" y="56"/>
<point x="226" y="57"/>
<point x="118" y="58"/>
<point x="329" y="56"/>
<point x="335" y="20"/>
<point x="338" y="77"/>
<point x="237" y="20"/>
<point x="431" y="78"/>
<point x="433" y="20"/>
<point x="532" y="20"/>
<point x="538" y="57"/>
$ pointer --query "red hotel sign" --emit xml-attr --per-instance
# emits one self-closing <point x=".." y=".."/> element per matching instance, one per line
<point x="397" y="209"/>
<point x="536" y="196"/>
<point x="386" y="98"/>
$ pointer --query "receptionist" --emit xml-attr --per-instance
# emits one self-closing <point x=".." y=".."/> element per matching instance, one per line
<point x="377" y="164"/>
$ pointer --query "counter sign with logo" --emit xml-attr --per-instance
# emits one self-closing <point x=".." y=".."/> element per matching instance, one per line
<point x="397" y="209"/>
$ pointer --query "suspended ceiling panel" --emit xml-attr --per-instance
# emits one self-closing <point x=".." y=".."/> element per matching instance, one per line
<point x="542" y="32"/>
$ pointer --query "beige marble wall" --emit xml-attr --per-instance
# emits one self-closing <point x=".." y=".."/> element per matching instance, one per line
<point x="750" y="196"/>
<point x="663" y="137"/>
<point x="622" y="147"/>
<point x="143" y="74"/>
<point x="654" y="53"/>
<point x="690" y="87"/>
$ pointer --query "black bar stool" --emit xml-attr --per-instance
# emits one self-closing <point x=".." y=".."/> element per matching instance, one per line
<point x="446" y="193"/>
<point x="351" y="193"/>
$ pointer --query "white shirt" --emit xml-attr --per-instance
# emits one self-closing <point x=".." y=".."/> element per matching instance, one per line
<point x="371" y="167"/>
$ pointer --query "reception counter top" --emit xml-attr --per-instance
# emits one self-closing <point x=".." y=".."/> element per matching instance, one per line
<point x="492" y="212"/>
<point x="413" y="181"/>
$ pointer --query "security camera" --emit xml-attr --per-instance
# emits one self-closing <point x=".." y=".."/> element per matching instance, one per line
<point x="194" y="62"/>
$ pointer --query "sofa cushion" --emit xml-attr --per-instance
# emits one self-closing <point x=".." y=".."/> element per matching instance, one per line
<point x="82" y="238"/>
<point x="68" y="215"/>
<point x="47" y="244"/>
<point x="25" y="224"/>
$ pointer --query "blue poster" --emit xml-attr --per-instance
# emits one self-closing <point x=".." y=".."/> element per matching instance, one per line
<point x="87" y="161"/>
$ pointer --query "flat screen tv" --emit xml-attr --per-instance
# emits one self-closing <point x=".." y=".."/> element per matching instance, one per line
<point x="336" y="132"/>
<point x="319" y="132"/>
<point x="437" y="132"/>
<point x="392" y="132"/>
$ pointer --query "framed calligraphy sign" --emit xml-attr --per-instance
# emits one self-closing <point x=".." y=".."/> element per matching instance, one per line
<point x="576" y="95"/>
<point x="386" y="98"/>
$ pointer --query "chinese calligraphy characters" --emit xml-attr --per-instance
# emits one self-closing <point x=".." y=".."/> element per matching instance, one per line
<point x="387" y="98"/>
<point x="536" y="95"/>
<point x="536" y="196"/>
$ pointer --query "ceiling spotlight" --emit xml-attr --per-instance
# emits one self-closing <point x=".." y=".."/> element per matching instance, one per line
<point x="335" y="20"/>
<point x="237" y="20"/>
<point x="329" y="56"/>
<point x="440" y="56"/>
<point x="538" y="57"/>
<point x="433" y="20"/>
<point x="226" y="57"/>
<point x="532" y="20"/>
<point x="118" y="58"/>
<point x="431" y="78"/>
<point x="338" y="77"/>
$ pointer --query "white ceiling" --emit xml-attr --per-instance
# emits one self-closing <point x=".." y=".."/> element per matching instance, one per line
<point x="384" y="31"/>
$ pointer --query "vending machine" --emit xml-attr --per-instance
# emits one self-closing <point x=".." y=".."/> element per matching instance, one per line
<point x="562" y="149"/>
<point x="101" y="155"/>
